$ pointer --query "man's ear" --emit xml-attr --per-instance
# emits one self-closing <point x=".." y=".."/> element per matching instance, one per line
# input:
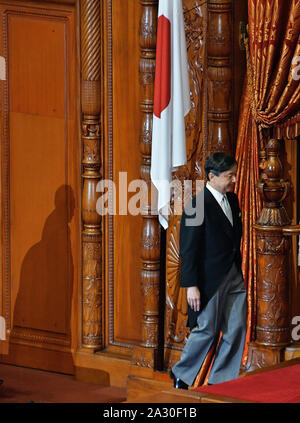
<point x="210" y="176"/>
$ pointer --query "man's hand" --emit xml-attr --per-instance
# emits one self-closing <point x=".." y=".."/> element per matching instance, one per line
<point x="193" y="298"/>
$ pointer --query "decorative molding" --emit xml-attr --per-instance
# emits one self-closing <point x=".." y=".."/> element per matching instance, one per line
<point x="196" y="127"/>
<point x="34" y="336"/>
<point x="274" y="244"/>
<point x="273" y="326"/>
<point x="176" y="304"/>
<point x="219" y="75"/>
<point x="259" y="357"/>
<point x="273" y="189"/>
<point x="5" y="184"/>
<point x="145" y="356"/>
<point x="91" y="66"/>
<point x="110" y="219"/>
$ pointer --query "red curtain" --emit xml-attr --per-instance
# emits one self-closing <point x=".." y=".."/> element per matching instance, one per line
<point x="247" y="153"/>
<point x="271" y="99"/>
<point x="273" y="54"/>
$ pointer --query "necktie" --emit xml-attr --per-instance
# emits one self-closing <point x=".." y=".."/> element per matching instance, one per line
<point x="227" y="209"/>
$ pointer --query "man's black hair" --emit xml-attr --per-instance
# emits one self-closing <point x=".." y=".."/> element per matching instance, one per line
<point x="219" y="162"/>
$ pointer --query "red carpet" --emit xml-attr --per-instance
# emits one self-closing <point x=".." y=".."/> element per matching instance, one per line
<point x="23" y="385"/>
<point x="275" y="386"/>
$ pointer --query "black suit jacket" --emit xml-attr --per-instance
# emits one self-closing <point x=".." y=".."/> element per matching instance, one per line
<point x="208" y="250"/>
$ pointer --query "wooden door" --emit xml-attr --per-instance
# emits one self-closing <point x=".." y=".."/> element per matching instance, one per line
<point x="123" y="231"/>
<point x="40" y="184"/>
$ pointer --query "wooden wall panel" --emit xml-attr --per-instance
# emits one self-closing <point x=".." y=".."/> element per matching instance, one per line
<point x="124" y="300"/>
<point x="40" y="184"/>
<point x="37" y="142"/>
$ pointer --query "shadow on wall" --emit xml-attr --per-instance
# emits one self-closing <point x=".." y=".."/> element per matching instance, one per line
<point x="46" y="278"/>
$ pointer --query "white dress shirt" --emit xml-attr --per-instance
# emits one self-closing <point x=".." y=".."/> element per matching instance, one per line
<point x="223" y="202"/>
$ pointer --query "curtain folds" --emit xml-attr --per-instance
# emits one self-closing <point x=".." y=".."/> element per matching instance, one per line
<point x="273" y="60"/>
<point x="247" y="153"/>
<point x="271" y="99"/>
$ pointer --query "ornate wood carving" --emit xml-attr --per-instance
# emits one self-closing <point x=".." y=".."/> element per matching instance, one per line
<point x="273" y="326"/>
<point x="195" y="17"/>
<point x="260" y="356"/>
<point x="219" y="74"/>
<point x="150" y="237"/>
<point x="91" y="163"/>
<point x="176" y="305"/>
<point x="272" y="290"/>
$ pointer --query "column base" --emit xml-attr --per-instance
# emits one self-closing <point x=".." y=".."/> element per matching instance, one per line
<point x="260" y="356"/>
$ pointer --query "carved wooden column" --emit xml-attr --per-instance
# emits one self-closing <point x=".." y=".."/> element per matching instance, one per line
<point x="273" y="325"/>
<point x="91" y="163"/>
<point x="145" y="355"/>
<point x="219" y="74"/>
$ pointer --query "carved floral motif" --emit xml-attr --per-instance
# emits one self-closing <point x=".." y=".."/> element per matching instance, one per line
<point x="90" y="133"/>
<point x="272" y="328"/>
<point x="150" y="237"/>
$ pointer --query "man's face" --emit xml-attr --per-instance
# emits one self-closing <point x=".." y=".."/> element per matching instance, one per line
<point x="225" y="181"/>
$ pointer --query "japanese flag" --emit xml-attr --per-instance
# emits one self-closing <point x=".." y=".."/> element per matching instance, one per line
<point x="171" y="102"/>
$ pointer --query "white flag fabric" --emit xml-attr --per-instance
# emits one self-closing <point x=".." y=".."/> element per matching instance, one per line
<point x="171" y="102"/>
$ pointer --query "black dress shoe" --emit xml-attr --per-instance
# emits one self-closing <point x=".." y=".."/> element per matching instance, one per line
<point x="178" y="383"/>
<point x="1" y="381"/>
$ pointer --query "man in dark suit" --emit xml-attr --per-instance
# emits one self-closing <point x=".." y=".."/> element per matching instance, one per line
<point x="210" y="236"/>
